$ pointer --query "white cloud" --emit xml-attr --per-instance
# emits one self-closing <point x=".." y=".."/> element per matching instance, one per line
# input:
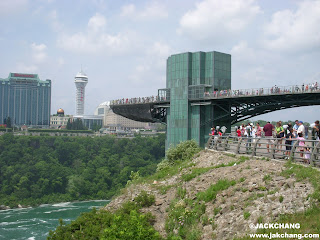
<point x="12" y="6"/>
<point x="152" y="67"/>
<point x="96" y="40"/>
<point x="55" y="24"/>
<point x="214" y="19"/>
<point x="61" y="61"/>
<point x="295" y="30"/>
<point x="23" y="68"/>
<point x="39" y="54"/>
<point x="243" y="53"/>
<point x="97" y="23"/>
<point x="128" y="10"/>
<point x="151" y="11"/>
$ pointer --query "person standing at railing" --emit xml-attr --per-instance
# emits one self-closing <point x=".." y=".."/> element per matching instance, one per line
<point x="295" y="128"/>
<point x="288" y="141"/>
<point x="258" y="132"/>
<point x="301" y="148"/>
<point x="315" y="131"/>
<point x="248" y="135"/>
<point x="268" y="129"/>
<point x="280" y="135"/>
<point x="301" y="129"/>
<point x="238" y="132"/>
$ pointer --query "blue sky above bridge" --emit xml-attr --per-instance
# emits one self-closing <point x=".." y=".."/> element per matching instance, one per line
<point x="123" y="45"/>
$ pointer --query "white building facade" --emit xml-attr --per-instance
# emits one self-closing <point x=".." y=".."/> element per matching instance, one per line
<point x="80" y="81"/>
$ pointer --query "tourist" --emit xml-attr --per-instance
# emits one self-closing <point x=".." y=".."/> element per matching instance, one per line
<point x="248" y="134"/>
<point x="295" y="128"/>
<point x="301" y="129"/>
<point x="288" y="142"/>
<point x="280" y="135"/>
<point x="268" y="128"/>
<point x="258" y="132"/>
<point x="315" y="130"/>
<point x="238" y="132"/>
<point x="254" y="134"/>
<point x="213" y="131"/>
<point x="307" y="155"/>
<point x="242" y="129"/>
<point x="301" y="148"/>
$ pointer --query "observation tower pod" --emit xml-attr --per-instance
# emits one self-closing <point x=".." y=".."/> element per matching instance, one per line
<point x="80" y="81"/>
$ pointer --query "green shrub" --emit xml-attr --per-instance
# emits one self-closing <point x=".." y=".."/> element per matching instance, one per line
<point x="183" y="151"/>
<point x="144" y="199"/>
<point x="246" y="215"/>
<point x="281" y="199"/>
<point x="181" y="192"/>
<point x="164" y="164"/>
<point x="134" y="226"/>
<point x="211" y="193"/>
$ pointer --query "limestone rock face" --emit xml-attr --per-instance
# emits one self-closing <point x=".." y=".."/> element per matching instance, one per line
<point x="260" y="192"/>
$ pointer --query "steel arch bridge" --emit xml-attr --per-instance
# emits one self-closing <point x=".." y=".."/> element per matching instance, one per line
<point x="232" y="109"/>
<point x="223" y="108"/>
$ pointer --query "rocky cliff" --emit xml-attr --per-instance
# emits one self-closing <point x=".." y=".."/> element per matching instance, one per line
<point x="218" y="195"/>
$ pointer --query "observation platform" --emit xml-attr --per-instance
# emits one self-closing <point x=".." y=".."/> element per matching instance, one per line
<point x="233" y="105"/>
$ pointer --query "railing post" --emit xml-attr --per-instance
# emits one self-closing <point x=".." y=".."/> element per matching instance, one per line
<point x="314" y="152"/>
<point x="216" y="143"/>
<point x="273" y="150"/>
<point x="209" y="142"/>
<point x="239" y="144"/>
<point x="254" y="150"/>
<point x="293" y="149"/>
<point x="226" y="143"/>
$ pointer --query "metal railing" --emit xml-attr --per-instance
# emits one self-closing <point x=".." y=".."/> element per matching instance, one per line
<point x="293" y="89"/>
<point x="164" y="94"/>
<point x="303" y="151"/>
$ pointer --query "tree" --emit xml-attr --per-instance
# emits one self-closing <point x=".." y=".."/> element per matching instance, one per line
<point x="69" y="124"/>
<point x="9" y="122"/>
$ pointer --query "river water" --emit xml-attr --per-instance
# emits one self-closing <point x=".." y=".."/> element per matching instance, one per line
<point x="35" y="223"/>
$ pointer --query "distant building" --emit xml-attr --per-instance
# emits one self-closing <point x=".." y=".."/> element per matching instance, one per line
<point x="90" y="121"/>
<point x="60" y="120"/>
<point x="25" y="99"/>
<point x="114" y="121"/>
<point x="80" y="81"/>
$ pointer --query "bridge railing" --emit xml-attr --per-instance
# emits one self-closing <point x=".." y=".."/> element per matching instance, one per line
<point x="152" y="99"/>
<point x="293" y="89"/>
<point x="306" y="151"/>
<point x="203" y="94"/>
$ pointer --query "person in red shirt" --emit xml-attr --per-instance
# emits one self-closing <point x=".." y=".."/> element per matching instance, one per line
<point x="239" y="132"/>
<point x="268" y="128"/>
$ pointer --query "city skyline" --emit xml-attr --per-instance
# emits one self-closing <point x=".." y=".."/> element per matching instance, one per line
<point x="271" y="43"/>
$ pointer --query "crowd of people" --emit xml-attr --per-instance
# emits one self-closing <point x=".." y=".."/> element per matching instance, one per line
<point x="312" y="87"/>
<point x="138" y="100"/>
<point x="286" y="135"/>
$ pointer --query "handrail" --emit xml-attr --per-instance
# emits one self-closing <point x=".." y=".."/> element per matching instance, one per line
<point x="305" y="151"/>
<point x="228" y="93"/>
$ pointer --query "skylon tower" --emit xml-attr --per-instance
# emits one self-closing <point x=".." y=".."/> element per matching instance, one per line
<point x="81" y="81"/>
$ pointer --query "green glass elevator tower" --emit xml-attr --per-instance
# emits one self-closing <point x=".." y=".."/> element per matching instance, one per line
<point x="189" y="77"/>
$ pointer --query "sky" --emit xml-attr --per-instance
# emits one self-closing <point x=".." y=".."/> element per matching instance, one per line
<point x="123" y="45"/>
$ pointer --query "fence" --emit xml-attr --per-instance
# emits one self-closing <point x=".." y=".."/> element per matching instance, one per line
<point x="303" y="151"/>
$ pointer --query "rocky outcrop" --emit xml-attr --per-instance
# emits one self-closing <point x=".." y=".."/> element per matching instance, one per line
<point x="260" y="192"/>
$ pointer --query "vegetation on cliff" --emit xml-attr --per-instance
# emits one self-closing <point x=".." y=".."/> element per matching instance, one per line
<point x="209" y="196"/>
<point x="43" y="169"/>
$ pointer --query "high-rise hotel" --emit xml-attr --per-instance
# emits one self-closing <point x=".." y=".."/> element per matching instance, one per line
<point x="25" y="99"/>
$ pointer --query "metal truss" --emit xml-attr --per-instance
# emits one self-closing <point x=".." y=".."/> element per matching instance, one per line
<point x="242" y="108"/>
<point x="235" y="109"/>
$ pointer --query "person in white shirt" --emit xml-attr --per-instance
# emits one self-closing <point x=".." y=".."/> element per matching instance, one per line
<point x="301" y="129"/>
